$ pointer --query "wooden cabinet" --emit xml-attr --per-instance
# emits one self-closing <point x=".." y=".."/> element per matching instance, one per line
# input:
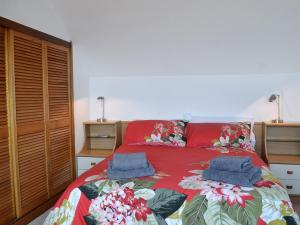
<point x="282" y="143"/>
<point x="101" y="139"/>
<point x="36" y="123"/>
<point x="282" y="152"/>
<point x="7" y="210"/>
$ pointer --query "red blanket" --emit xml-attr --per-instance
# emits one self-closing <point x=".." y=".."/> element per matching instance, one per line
<point x="178" y="170"/>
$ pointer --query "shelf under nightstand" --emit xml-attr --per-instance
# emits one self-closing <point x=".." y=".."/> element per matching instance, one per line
<point x="284" y="159"/>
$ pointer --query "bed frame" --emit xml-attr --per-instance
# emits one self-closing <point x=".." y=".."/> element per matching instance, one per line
<point x="258" y="131"/>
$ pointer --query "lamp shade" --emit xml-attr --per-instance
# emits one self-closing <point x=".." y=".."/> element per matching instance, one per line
<point x="273" y="97"/>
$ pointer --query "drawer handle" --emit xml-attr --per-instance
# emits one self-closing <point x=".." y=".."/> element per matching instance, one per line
<point x="93" y="164"/>
<point x="290" y="187"/>
<point x="290" y="172"/>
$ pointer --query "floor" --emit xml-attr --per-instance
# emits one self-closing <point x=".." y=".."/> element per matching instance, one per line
<point x="40" y="220"/>
<point x="296" y="204"/>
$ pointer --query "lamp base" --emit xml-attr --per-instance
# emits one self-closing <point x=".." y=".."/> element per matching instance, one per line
<point x="277" y="121"/>
<point x="101" y="120"/>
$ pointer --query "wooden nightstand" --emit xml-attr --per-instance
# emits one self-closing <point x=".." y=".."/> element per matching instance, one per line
<point x="282" y="152"/>
<point x="101" y="139"/>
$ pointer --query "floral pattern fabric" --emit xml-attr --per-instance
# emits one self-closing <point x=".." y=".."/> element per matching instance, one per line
<point x="220" y="136"/>
<point x="234" y="135"/>
<point x="156" y="132"/>
<point x="176" y="195"/>
<point x="168" y="133"/>
<point x="121" y="205"/>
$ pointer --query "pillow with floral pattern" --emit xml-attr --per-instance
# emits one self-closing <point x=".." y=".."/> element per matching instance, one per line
<point x="156" y="132"/>
<point x="231" y="135"/>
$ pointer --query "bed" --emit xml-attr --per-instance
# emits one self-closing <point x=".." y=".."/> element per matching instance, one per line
<point x="176" y="194"/>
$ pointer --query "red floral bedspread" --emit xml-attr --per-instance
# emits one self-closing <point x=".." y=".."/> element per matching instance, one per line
<point x="176" y="194"/>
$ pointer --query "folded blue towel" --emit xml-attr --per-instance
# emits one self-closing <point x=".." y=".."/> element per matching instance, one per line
<point x="114" y="174"/>
<point x="232" y="163"/>
<point x="129" y="161"/>
<point x="237" y="178"/>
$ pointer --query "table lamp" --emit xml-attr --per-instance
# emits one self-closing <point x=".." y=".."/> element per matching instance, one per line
<point x="276" y="97"/>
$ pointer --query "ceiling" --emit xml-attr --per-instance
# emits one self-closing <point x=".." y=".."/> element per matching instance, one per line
<point x="171" y="37"/>
<point x="176" y="37"/>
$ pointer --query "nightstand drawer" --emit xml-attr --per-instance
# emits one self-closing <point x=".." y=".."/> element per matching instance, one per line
<point x="285" y="171"/>
<point x="84" y="163"/>
<point x="292" y="186"/>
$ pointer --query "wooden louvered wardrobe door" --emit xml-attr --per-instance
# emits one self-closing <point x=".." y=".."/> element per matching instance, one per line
<point x="60" y="147"/>
<point x="30" y="122"/>
<point x="7" y="212"/>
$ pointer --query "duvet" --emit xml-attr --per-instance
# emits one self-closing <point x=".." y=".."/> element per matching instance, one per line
<point x="177" y="194"/>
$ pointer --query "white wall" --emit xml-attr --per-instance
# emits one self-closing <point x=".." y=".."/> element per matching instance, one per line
<point x="126" y="50"/>
<point x="41" y="15"/>
<point x="38" y="14"/>
<point x="130" y="98"/>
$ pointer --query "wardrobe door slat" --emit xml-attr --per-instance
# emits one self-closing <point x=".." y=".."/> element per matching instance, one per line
<point x="59" y="118"/>
<point x="29" y="103"/>
<point x="7" y="209"/>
